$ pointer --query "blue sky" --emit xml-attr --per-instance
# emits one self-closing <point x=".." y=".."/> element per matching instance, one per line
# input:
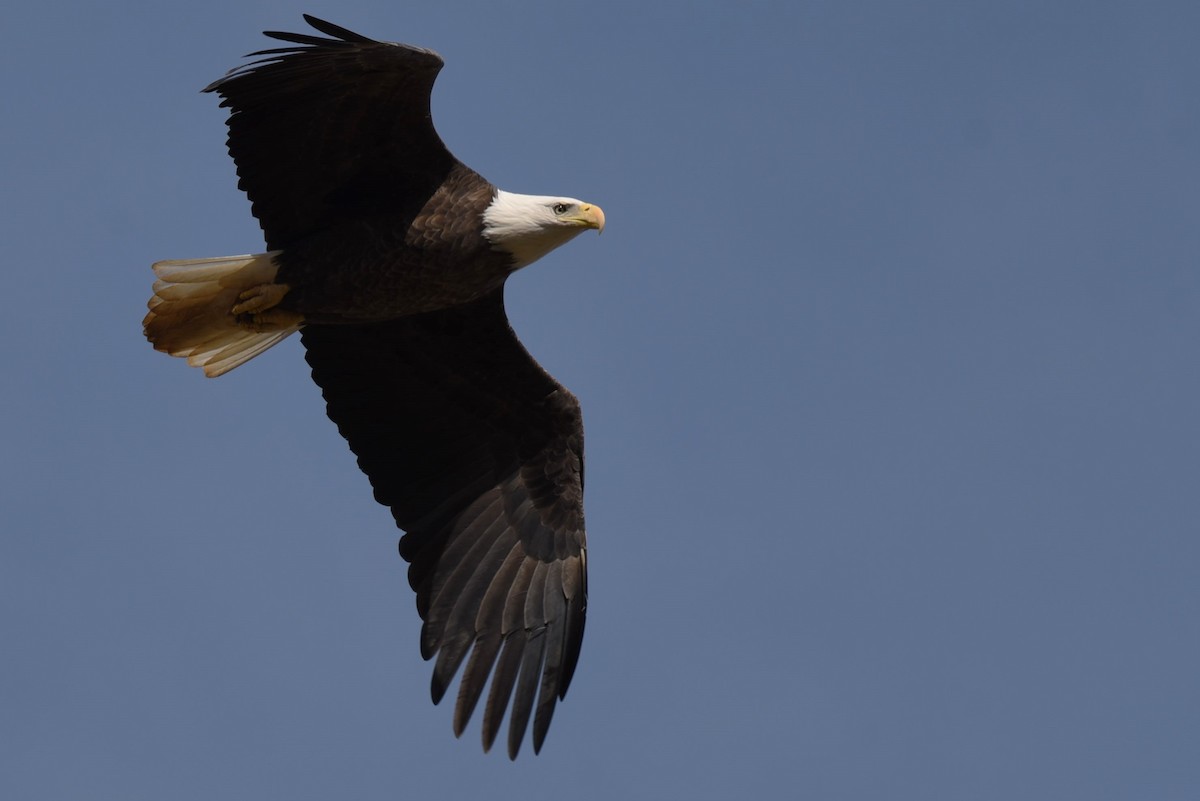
<point x="890" y="366"/>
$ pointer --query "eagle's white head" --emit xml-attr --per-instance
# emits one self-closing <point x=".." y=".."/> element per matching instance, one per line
<point x="530" y="226"/>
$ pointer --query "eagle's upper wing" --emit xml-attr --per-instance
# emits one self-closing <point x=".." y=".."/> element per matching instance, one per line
<point x="327" y="129"/>
<point x="479" y="454"/>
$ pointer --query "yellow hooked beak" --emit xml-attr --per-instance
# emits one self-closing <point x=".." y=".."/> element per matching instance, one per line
<point x="590" y="216"/>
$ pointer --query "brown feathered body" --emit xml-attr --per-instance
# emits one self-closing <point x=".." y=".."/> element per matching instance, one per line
<point x="397" y="263"/>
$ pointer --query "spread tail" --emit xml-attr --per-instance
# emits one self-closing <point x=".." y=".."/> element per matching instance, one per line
<point x="191" y="312"/>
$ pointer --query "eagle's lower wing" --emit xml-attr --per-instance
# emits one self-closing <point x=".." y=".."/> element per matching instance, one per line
<point x="479" y="454"/>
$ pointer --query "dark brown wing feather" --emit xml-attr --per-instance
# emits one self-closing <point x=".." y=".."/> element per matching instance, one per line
<point x="479" y="454"/>
<point x="330" y="129"/>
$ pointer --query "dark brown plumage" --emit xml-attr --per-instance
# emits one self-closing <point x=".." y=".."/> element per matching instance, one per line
<point x="336" y="149"/>
<point x="384" y="256"/>
<point x="479" y="454"/>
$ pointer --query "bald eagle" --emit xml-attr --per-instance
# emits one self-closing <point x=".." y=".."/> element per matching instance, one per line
<point x="389" y="256"/>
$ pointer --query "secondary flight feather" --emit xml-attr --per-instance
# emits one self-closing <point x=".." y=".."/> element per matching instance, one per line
<point x="390" y="256"/>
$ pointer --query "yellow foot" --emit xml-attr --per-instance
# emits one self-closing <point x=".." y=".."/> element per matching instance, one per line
<point x="260" y="298"/>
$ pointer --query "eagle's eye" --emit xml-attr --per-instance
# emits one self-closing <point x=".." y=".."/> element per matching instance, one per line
<point x="560" y="208"/>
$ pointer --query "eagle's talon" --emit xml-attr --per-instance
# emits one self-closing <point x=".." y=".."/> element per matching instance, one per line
<point x="259" y="298"/>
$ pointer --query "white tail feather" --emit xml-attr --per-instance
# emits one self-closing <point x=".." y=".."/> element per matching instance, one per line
<point x="191" y="311"/>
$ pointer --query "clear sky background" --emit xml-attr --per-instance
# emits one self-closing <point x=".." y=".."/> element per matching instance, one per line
<point x="890" y="366"/>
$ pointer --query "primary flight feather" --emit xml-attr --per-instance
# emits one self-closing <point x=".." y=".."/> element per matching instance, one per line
<point x="389" y="256"/>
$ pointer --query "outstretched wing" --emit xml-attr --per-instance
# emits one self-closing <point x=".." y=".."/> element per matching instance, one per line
<point x="328" y="129"/>
<point x="479" y="454"/>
